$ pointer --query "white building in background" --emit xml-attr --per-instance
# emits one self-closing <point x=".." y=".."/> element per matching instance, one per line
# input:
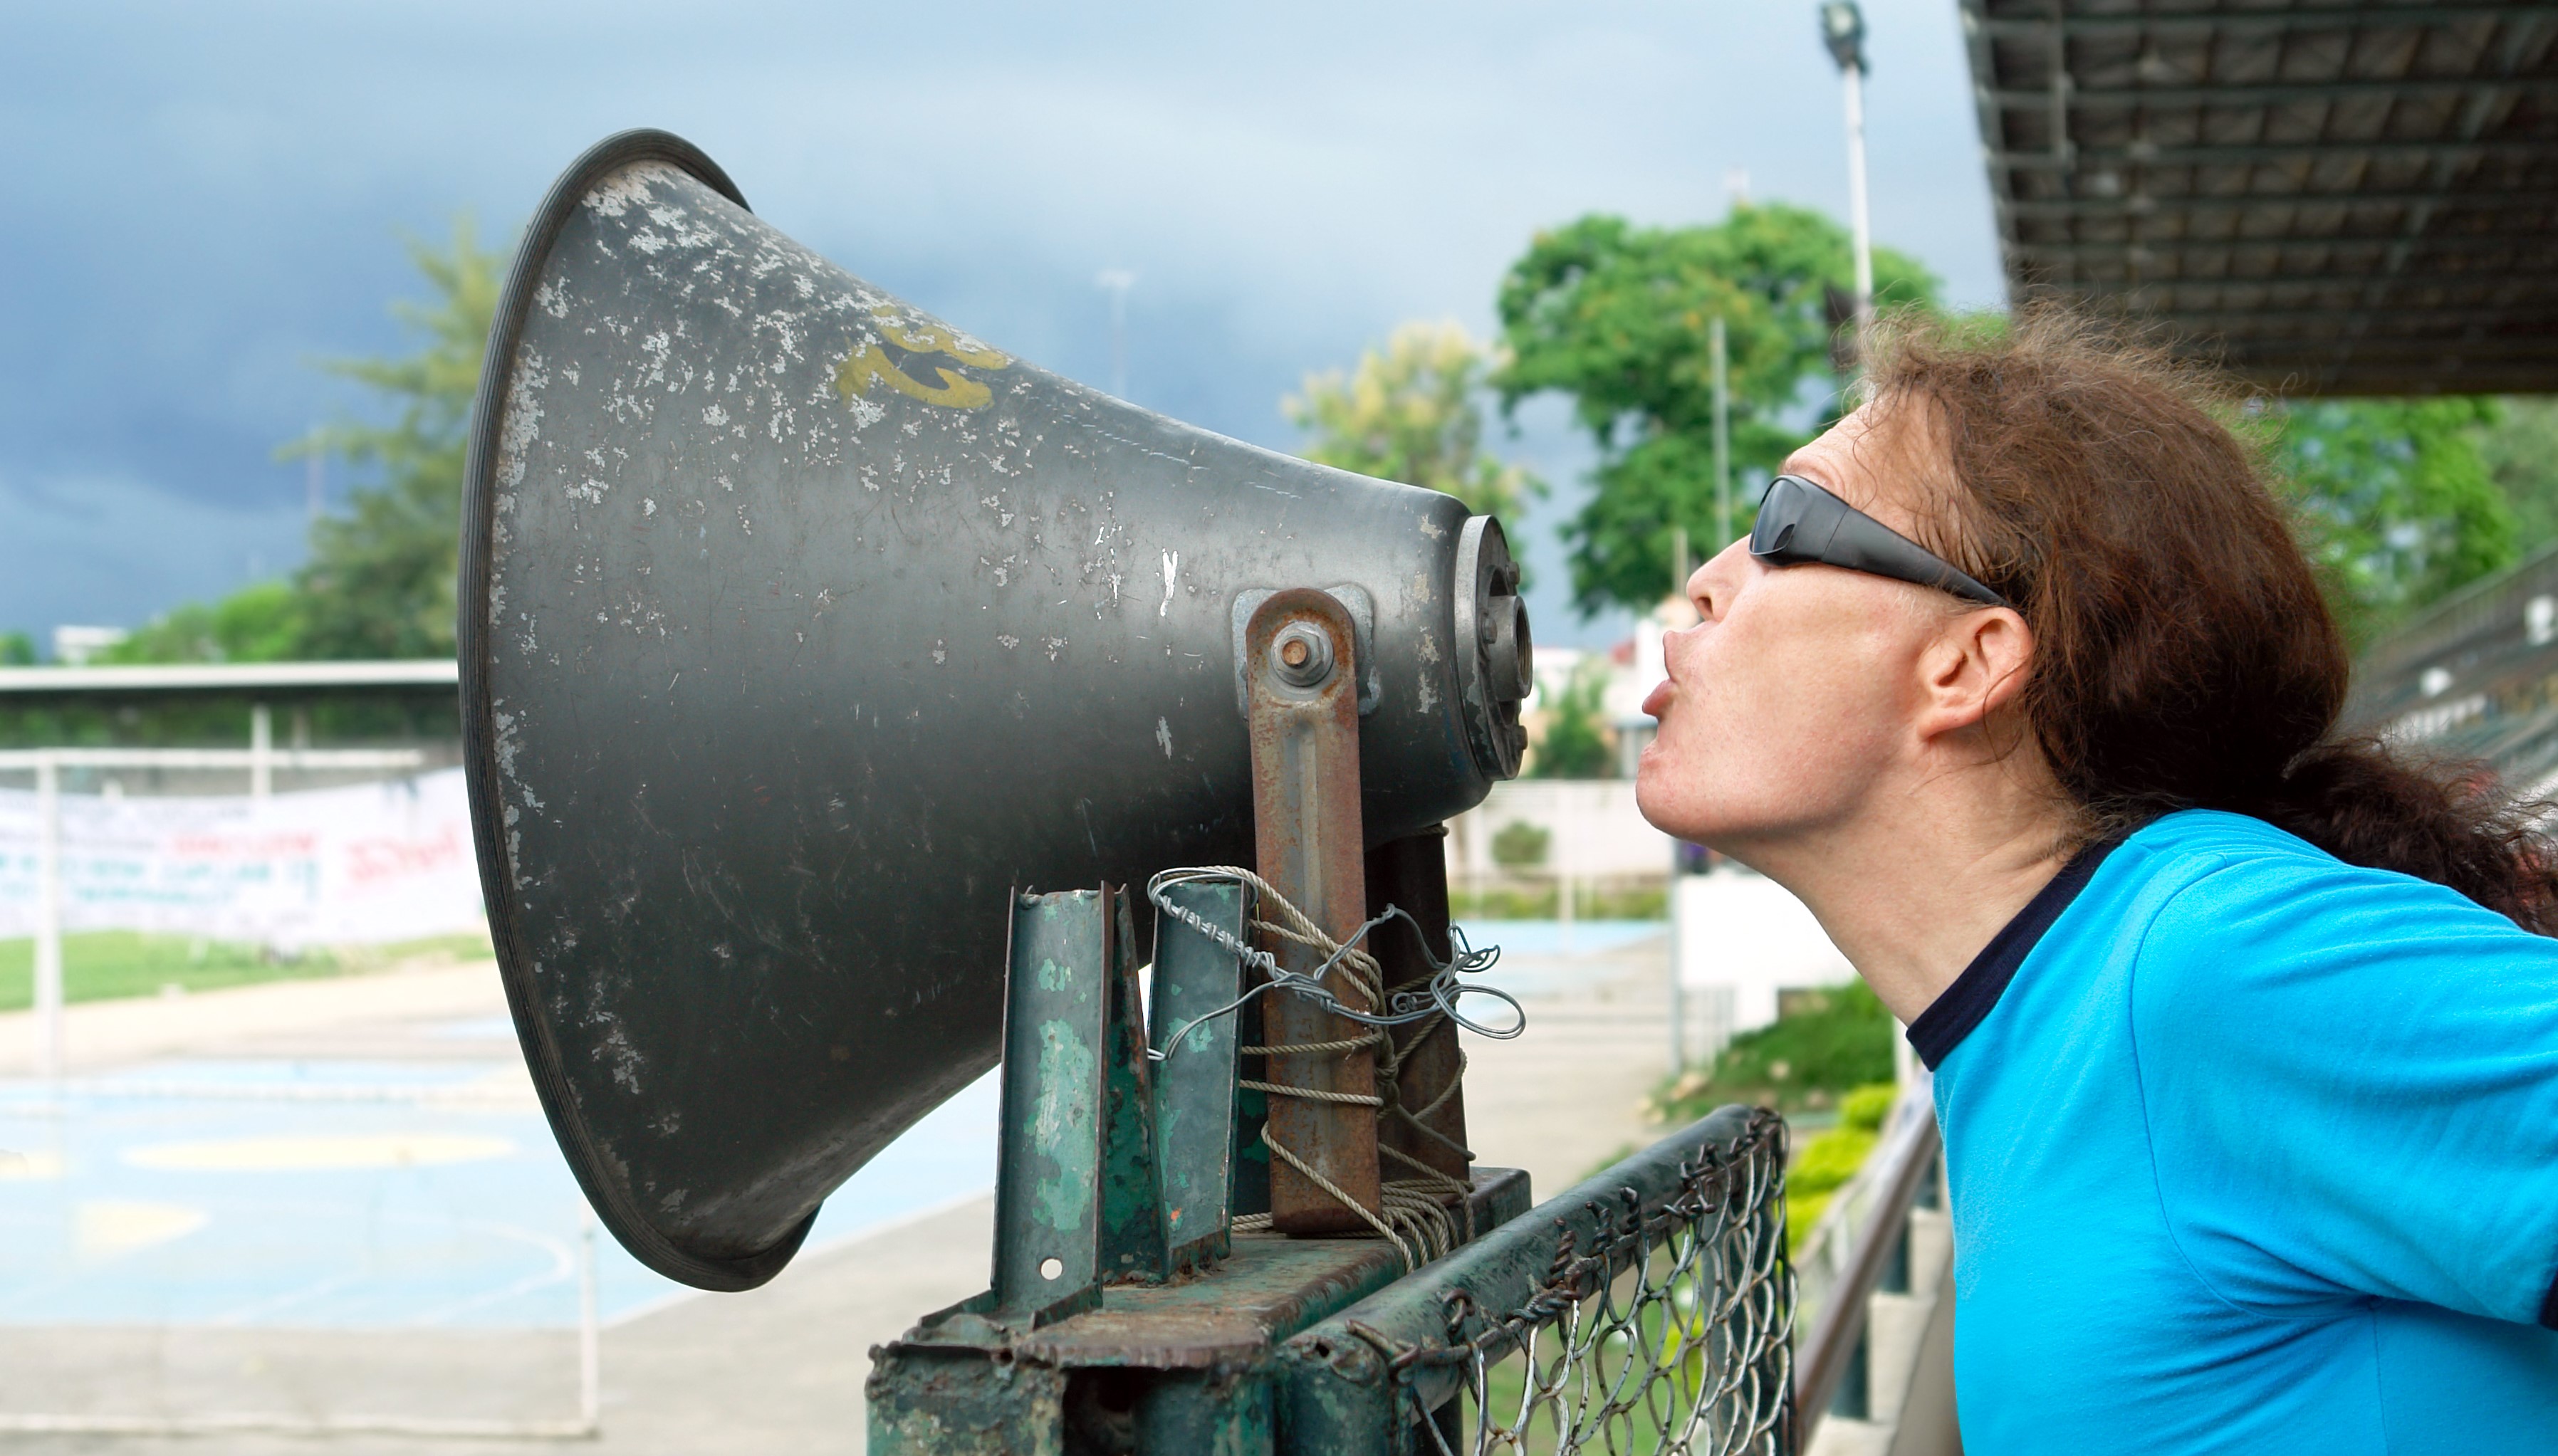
<point x="74" y="646"/>
<point x="1640" y="664"/>
<point x="1744" y="941"/>
<point x="1593" y="831"/>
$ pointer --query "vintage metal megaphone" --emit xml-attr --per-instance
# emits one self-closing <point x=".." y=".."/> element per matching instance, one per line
<point x="799" y="628"/>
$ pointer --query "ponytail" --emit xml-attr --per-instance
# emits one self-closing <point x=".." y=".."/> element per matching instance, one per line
<point x="2451" y="823"/>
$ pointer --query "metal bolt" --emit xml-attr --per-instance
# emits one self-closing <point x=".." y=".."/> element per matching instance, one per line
<point x="1303" y="654"/>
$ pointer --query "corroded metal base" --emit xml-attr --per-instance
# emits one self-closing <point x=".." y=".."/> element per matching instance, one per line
<point x="1182" y="1367"/>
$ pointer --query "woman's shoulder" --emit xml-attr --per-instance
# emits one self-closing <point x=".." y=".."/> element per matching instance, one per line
<point x="2250" y="924"/>
<point x="2206" y="865"/>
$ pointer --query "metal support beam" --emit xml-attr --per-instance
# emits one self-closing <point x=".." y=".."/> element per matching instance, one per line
<point x="2262" y="94"/>
<point x="2536" y="241"/>
<point x="1299" y="656"/>
<point x="2188" y="204"/>
<point x="1411" y="873"/>
<point x="2303" y="20"/>
<point x="2538" y="315"/>
<point x="2245" y="154"/>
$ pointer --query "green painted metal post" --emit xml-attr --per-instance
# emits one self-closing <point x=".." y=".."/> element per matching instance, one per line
<point x="1194" y="1087"/>
<point x="1133" y="1230"/>
<point x="1047" y="1182"/>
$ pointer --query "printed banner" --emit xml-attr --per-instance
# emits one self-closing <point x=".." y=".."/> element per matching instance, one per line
<point x="375" y="863"/>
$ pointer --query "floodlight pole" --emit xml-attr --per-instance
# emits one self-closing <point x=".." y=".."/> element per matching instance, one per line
<point x="1118" y="280"/>
<point x="1722" y="442"/>
<point x="1843" y="31"/>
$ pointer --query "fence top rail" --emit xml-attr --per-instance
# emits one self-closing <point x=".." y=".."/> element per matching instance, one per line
<point x="1896" y="1169"/>
<point x="25" y="760"/>
<point x="33" y="686"/>
<point x="1502" y="1270"/>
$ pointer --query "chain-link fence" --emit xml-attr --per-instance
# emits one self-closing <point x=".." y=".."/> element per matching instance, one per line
<point x="1647" y="1311"/>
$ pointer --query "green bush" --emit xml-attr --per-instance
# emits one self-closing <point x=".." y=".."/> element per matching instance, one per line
<point x="105" y="964"/>
<point x="1823" y="1164"/>
<point x="1541" y="901"/>
<point x="1866" y="1107"/>
<point x="1834" y="1040"/>
<point x="1520" y="845"/>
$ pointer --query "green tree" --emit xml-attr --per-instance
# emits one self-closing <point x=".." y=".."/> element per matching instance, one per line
<point x="1411" y="412"/>
<point x="2395" y="501"/>
<point x="1574" y="743"/>
<point x="379" y="581"/>
<point x="2520" y="451"/>
<point x="1618" y="317"/>
<point x="17" y="649"/>
<point x="261" y="623"/>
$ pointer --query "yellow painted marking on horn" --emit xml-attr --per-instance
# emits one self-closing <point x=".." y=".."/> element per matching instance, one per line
<point x="870" y="363"/>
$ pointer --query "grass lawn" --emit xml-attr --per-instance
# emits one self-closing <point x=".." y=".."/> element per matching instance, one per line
<point x="104" y="964"/>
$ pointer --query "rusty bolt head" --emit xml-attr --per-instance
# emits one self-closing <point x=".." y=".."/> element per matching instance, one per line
<point x="1302" y="655"/>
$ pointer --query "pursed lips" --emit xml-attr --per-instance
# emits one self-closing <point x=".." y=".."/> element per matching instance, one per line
<point x="1657" y="701"/>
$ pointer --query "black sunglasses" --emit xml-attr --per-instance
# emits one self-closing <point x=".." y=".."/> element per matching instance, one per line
<point x="1800" y="523"/>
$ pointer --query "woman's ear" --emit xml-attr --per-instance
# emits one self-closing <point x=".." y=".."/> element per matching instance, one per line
<point x="1975" y="668"/>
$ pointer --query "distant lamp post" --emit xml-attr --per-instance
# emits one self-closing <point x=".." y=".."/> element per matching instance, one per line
<point x="1843" y="31"/>
<point x="1116" y="281"/>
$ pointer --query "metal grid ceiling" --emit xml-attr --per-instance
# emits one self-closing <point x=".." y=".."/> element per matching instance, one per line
<point x="2352" y="199"/>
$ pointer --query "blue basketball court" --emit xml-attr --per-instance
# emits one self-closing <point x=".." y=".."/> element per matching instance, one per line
<point x="428" y="1193"/>
<point x="349" y="1194"/>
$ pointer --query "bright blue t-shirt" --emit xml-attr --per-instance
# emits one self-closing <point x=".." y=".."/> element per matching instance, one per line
<point x="2252" y="1150"/>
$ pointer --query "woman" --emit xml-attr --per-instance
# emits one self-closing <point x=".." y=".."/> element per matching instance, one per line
<point x="2246" y="1034"/>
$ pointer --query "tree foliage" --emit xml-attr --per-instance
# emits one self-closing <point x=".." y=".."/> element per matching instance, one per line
<point x="379" y="581"/>
<point x="2395" y="501"/>
<point x="2519" y="448"/>
<point x="1574" y="743"/>
<point x="1618" y="318"/>
<point x="1412" y="412"/>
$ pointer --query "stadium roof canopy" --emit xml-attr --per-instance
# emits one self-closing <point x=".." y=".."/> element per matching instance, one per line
<point x="2336" y="197"/>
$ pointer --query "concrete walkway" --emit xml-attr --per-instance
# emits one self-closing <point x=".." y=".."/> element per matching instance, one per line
<point x="250" y="1019"/>
<point x="780" y="1369"/>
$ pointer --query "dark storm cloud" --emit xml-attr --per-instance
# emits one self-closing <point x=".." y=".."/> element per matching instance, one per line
<point x="206" y="200"/>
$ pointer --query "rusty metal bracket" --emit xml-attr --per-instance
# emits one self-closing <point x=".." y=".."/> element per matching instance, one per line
<point x="1364" y="669"/>
<point x="1300" y="651"/>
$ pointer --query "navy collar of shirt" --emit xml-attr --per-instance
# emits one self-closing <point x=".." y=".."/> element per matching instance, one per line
<point x="1953" y="1016"/>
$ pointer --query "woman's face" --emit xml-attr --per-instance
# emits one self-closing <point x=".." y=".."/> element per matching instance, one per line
<point x="1789" y="705"/>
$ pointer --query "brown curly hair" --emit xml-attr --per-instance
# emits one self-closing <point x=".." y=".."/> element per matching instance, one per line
<point x="2185" y="655"/>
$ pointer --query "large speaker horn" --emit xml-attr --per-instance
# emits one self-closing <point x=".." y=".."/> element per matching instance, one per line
<point x="799" y="628"/>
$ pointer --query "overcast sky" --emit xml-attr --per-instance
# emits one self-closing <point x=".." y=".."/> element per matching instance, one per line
<point x="204" y="199"/>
